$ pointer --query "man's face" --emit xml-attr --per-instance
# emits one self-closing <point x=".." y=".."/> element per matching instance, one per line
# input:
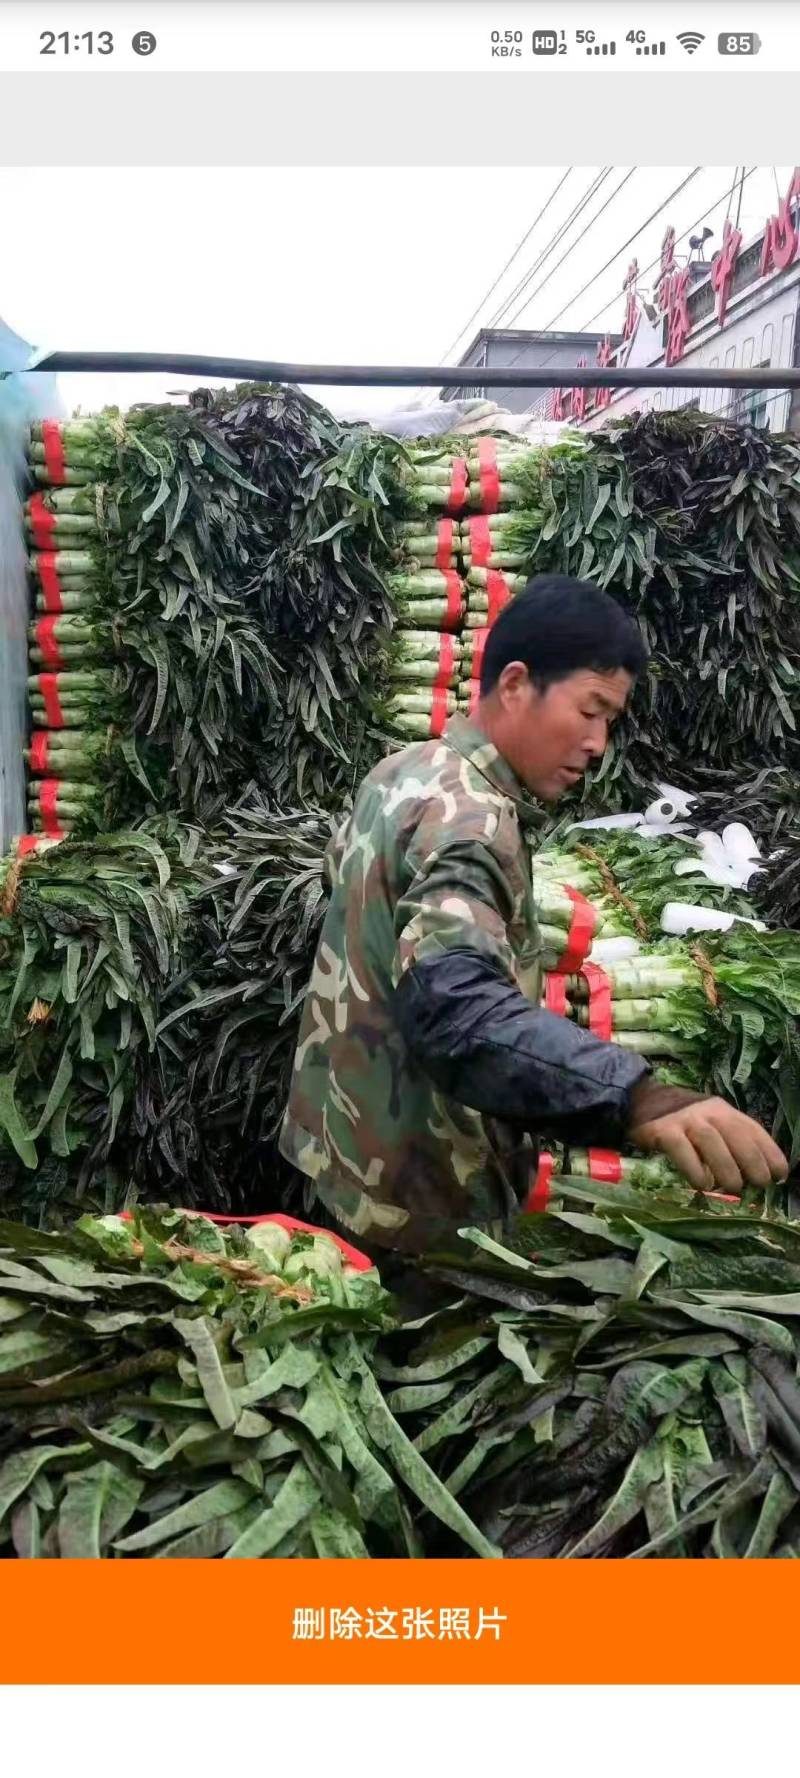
<point x="550" y="738"/>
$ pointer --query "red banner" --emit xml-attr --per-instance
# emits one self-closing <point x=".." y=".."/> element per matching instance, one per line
<point x="447" y="655"/>
<point x="54" y="460"/>
<point x="438" y="712"/>
<point x="580" y="935"/>
<point x="490" y="476"/>
<point x="43" y="522"/>
<point x="606" y="1165"/>
<point x="539" y="1196"/>
<point x="599" y="1000"/>
<point x="499" y="593"/>
<point x="444" y="544"/>
<point x="480" y="538"/>
<point x="40" y="747"/>
<point x="48" y="686"/>
<point x="51" y="584"/>
<point x="48" y="807"/>
<point x="555" y="994"/>
<point x="47" y="641"/>
<point x="458" y="485"/>
<point x="455" y="600"/>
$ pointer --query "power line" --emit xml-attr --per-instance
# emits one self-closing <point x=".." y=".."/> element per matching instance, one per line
<point x="509" y="262"/>
<point x="653" y="217"/>
<point x="585" y="325"/>
<point x="571" y="249"/>
<point x="555" y="241"/>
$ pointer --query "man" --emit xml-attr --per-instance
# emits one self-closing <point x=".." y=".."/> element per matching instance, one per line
<point x="425" y="1066"/>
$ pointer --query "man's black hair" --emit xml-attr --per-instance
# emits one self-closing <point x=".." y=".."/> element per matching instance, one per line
<point x="560" y="626"/>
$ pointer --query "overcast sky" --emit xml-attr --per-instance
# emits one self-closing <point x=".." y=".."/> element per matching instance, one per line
<point x="340" y="265"/>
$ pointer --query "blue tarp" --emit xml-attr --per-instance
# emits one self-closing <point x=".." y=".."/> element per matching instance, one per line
<point x="23" y="398"/>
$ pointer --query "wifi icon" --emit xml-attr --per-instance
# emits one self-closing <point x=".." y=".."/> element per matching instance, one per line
<point x="690" y="41"/>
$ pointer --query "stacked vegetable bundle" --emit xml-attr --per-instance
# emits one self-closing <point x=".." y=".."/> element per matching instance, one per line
<point x="169" y="1390"/>
<point x="71" y="689"/>
<point x="429" y="603"/>
<point x="717" y="1010"/>
<point x="156" y="670"/>
<point x="91" y="933"/>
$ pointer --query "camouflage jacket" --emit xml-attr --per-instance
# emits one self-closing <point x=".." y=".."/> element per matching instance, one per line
<point x="433" y="859"/>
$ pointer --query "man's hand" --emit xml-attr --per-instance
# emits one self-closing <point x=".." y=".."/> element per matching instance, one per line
<point x="710" y="1143"/>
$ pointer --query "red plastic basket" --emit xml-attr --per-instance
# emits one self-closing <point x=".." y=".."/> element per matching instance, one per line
<point x="290" y="1223"/>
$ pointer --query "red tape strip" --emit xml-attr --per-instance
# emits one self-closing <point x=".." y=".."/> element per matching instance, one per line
<point x="499" y="593"/>
<point x="447" y="655"/>
<point x="55" y="462"/>
<point x="48" y="800"/>
<point x="455" y="600"/>
<point x="43" y="522"/>
<point x="51" y="584"/>
<point x="438" y="712"/>
<point x="444" y="542"/>
<point x="490" y="475"/>
<point x="605" y="1164"/>
<point x="539" y="1195"/>
<point x="480" y="538"/>
<point x="47" y="641"/>
<point x="555" y="995"/>
<point x="458" y="485"/>
<point x="580" y="935"/>
<point x="599" y="1000"/>
<point x="28" y="842"/>
<point x="48" y="686"/>
<point x="478" y="646"/>
<point x="40" y="746"/>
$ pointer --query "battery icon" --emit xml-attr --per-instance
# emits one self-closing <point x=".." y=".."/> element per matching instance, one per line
<point x="545" y="43"/>
<point x="738" y="43"/>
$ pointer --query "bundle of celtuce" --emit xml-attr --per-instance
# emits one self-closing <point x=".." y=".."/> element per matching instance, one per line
<point x="424" y="675"/>
<point x="90" y="935"/>
<point x="230" y="1409"/>
<point x="619" y="1381"/>
<point x="142" y="639"/>
<point x="723" y="1005"/>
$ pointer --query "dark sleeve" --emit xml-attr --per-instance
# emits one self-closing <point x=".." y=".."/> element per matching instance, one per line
<point x="481" y="1042"/>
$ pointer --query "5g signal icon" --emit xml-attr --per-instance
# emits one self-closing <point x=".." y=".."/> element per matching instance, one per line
<point x="690" y="41"/>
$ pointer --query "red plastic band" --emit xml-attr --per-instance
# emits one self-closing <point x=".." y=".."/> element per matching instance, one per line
<point x="48" y="686"/>
<point x="478" y="646"/>
<point x="438" y="712"/>
<point x="47" y="641"/>
<point x="490" y="475"/>
<point x="499" y="593"/>
<point x="458" y="485"/>
<point x="352" y="1254"/>
<point x="40" y="744"/>
<point x="539" y="1195"/>
<point x="51" y="585"/>
<point x="447" y="655"/>
<point x="480" y="538"/>
<point x="48" y="800"/>
<point x="599" y="1000"/>
<point x="606" y="1165"/>
<point x="28" y="842"/>
<point x="55" y="462"/>
<point x="580" y="935"/>
<point x="444" y="544"/>
<point x="455" y="601"/>
<point x="555" y="995"/>
<point x="43" y="522"/>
